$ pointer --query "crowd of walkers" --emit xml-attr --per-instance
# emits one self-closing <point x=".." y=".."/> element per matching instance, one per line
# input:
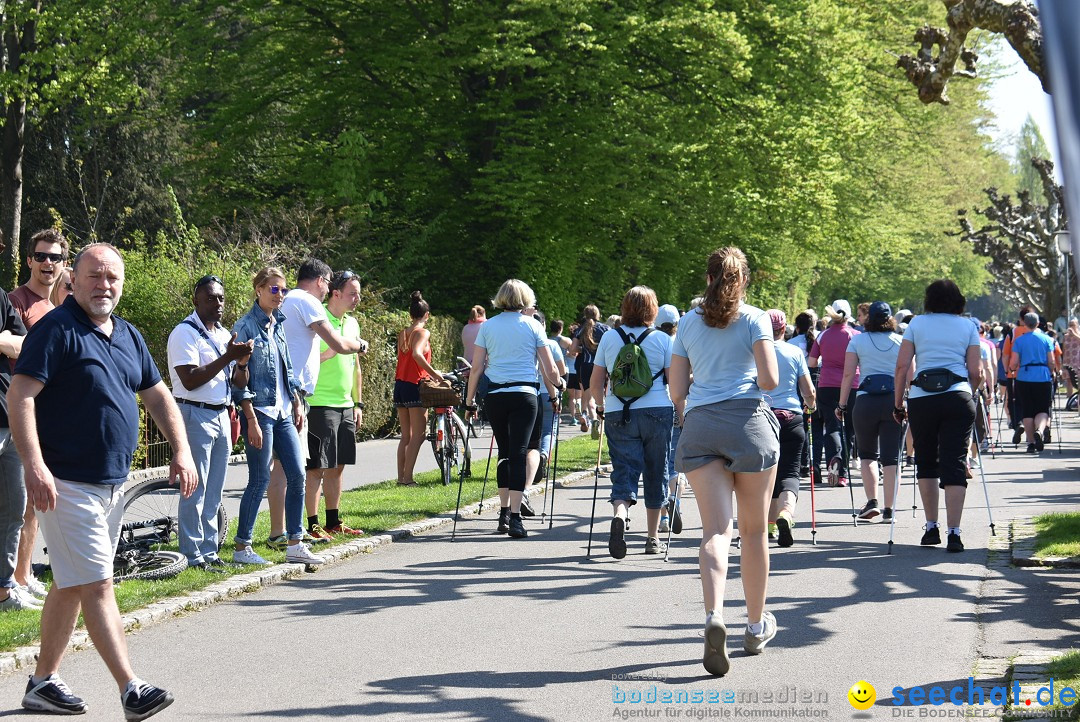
<point x="727" y="396"/>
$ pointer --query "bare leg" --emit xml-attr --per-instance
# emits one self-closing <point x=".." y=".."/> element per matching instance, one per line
<point x="954" y="504"/>
<point x="403" y="445"/>
<point x="62" y="607"/>
<point x="102" y="619"/>
<point x="312" y="486"/>
<point x="652" y="521"/>
<point x="332" y="486"/>
<point x="752" y="491"/>
<point x="532" y="463"/>
<point x="888" y="480"/>
<point x="713" y="486"/>
<point x="869" y="478"/>
<point x="785" y="502"/>
<point x="27" y="537"/>
<point x="1041" y="421"/>
<point x="418" y="422"/>
<point x="928" y="490"/>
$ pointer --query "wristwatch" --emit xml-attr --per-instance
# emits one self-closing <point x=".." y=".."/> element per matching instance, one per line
<point x="360" y="405"/>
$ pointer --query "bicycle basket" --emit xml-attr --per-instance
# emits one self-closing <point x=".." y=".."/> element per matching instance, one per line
<point x="438" y="393"/>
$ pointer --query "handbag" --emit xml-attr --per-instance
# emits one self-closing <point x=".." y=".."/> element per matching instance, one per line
<point x="234" y="425"/>
<point x="936" y="380"/>
<point x="877" y="384"/>
<point x="438" y="393"/>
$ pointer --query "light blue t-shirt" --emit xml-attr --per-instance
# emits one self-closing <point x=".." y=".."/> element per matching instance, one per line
<point x="1032" y="348"/>
<point x="722" y="359"/>
<point x="553" y="347"/>
<point x="941" y="342"/>
<point x="511" y="341"/>
<point x="877" y="352"/>
<point x="657" y="348"/>
<point x="799" y="342"/>
<point x="791" y="363"/>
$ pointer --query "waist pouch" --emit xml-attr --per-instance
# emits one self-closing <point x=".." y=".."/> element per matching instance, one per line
<point x="934" y="380"/>
<point x="876" y="384"/>
<point x="783" y="415"/>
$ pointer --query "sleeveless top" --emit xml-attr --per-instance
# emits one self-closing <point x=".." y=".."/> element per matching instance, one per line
<point x="407" y="368"/>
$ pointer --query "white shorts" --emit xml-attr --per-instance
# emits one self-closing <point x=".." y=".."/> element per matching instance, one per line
<point x="82" y="531"/>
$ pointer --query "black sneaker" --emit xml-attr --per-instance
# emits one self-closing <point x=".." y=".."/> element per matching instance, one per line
<point x="675" y="515"/>
<point x="142" y="700"/>
<point x="541" y="470"/>
<point x="617" y="542"/>
<point x="870" y="510"/>
<point x="504" y="520"/>
<point x="1032" y="449"/>
<point x="526" y="507"/>
<point x="954" y="544"/>
<point x="52" y="695"/>
<point x="1046" y="435"/>
<point x="783" y="529"/>
<point x="517" y="528"/>
<point x="886" y="514"/>
<point x="932" y="537"/>
<point x="1040" y="442"/>
<point x="1017" y="435"/>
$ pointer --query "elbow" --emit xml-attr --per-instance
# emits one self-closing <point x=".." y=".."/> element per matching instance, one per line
<point x="768" y="383"/>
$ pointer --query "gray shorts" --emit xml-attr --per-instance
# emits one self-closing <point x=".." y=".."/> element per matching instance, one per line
<point x="82" y="531"/>
<point x="742" y="432"/>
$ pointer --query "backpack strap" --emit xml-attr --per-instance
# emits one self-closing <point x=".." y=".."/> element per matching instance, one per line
<point x="637" y="341"/>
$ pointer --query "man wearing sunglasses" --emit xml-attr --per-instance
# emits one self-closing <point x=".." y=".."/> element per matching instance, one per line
<point x="46" y="256"/>
<point x="202" y="354"/>
<point x="305" y="323"/>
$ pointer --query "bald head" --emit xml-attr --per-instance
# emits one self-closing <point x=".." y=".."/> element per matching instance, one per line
<point x="98" y="280"/>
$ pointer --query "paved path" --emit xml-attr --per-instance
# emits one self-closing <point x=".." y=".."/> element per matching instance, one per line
<point x="488" y="628"/>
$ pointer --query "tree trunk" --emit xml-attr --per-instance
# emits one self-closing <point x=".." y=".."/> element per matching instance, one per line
<point x="11" y="190"/>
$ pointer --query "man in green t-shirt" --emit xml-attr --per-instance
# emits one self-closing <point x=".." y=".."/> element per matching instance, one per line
<point x="336" y="410"/>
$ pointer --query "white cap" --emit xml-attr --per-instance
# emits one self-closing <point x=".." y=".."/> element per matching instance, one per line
<point x="839" y="307"/>
<point x="667" y="314"/>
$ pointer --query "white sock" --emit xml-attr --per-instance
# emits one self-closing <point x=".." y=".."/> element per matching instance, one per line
<point x="131" y="684"/>
<point x="757" y="628"/>
<point x="38" y="680"/>
<point x="714" y="613"/>
<point x="954" y="530"/>
<point x="931" y="525"/>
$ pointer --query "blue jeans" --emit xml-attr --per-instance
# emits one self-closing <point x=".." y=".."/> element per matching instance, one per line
<point x="12" y="506"/>
<point x="280" y="438"/>
<point x="639" y="448"/>
<point x="545" y="428"/>
<point x="676" y="432"/>
<point x="208" y="436"/>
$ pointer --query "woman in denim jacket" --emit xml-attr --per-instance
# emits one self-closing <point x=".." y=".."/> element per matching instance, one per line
<point x="269" y="397"/>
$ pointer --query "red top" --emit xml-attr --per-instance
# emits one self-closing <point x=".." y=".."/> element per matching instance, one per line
<point x="407" y="368"/>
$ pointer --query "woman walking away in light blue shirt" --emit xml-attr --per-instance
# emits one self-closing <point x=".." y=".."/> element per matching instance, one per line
<point x="730" y="443"/>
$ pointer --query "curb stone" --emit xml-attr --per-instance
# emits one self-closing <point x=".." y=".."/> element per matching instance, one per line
<point x="23" y="658"/>
<point x="1022" y="532"/>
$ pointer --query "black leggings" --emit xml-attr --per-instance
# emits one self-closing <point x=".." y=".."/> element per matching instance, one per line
<point x="513" y="416"/>
<point x="792" y="442"/>
<point x="941" y="429"/>
<point x="876" y="431"/>
<point x="828" y="399"/>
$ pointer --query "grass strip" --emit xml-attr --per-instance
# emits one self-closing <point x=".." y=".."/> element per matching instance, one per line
<point x="375" y="508"/>
<point x="1058" y="534"/>
<point x="1065" y="671"/>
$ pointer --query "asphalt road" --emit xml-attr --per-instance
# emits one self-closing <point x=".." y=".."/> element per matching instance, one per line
<point x="489" y="628"/>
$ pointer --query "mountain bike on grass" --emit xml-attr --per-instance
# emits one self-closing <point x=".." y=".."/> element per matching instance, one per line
<point x="447" y="433"/>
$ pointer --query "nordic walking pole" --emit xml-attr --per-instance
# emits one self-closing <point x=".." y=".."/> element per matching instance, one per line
<point x="671" y="526"/>
<point x="483" y="487"/>
<point x="596" y="484"/>
<point x="461" y="480"/>
<point x="813" y="468"/>
<point x="1057" y="429"/>
<point x="554" y="469"/>
<point x="896" y="488"/>
<point x="844" y="450"/>
<point x="986" y="493"/>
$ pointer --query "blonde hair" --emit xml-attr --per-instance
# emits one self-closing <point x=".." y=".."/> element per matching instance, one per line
<point x="729" y="275"/>
<point x="514" y="295"/>
<point x="476" y="313"/>
<point x="264" y="275"/>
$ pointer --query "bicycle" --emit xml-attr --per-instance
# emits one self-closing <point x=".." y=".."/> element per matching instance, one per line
<point x="448" y="434"/>
<point x="150" y="523"/>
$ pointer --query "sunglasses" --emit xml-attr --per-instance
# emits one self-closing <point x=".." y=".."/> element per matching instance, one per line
<point x="207" y="280"/>
<point x="275" y="290"/>
<point x="340" y="279"/>
<point x="41" y="257"/>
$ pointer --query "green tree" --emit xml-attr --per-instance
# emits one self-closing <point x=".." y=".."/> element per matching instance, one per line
<point x="1030" y="146"/>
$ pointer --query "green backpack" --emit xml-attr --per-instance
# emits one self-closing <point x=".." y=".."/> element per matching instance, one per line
<point x="631" y="376"/>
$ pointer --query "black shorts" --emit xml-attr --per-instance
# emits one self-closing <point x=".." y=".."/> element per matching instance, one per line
<point x="331" y="437"/>
<point x="572" y="382"/>
<point x="1034" y="397"/>
<point x="406" y="395"/>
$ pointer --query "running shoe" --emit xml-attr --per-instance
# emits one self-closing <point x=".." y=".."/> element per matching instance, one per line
<point x="526" y="507"/>
<point x="35" y="587"/>
<point x="773" y="534"/>
<point x="784" y="525"/>
<point x="504" y="520"/>
<point x="1018" y="432"/>
<point x="675" y="514"/>
<point x="654" y="546"/>
<point x="932" y="537"/>
<point x="596" y="430"/>
<point x="300" y="554"/>
<point x="1031" y="449"/>
<point x="278" y="543"/>
<point x="617" y="541"/>
<point x="317" y="532"/>
<point x="665" y="523"/>
<point x="342" y="529"/>
<point x="842" y="482"/>
<point x="954" y="544"/>
<point x="19" y="601"/>
<point x="755" y="643"/>
<point x="1046" y="435"/>
<point x="716" y="658"/>
<point x="142" y="700"/>
<point x="52" y="695"/>
<point x="886" y="514"/>
<point x="248" y="556"/>
<point x="870" y="510"/>
<point x="1040" y="443"/>
<point x="584" y="421"/>
<point x="517" y="528"/>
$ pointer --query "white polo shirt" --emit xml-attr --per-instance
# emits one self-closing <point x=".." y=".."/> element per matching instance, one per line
<point x="188" y="347"/>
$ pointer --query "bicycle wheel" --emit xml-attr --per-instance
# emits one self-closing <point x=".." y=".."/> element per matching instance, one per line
<point x="464" y="448"/>
<point x="151" y="513"/>
<point x="159" y="564"/>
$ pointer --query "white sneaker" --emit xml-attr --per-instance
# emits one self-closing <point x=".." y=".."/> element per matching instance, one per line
<point x="19" y="601"/>
<point x="665" y="525"/>
<point x="248" y="556"/>
<point x="300" y="554"/>
<point x="36" y="588"/>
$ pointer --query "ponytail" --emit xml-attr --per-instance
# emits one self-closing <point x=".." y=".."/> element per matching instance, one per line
<point x="590" y="315"/>
<point x="729" y="275"/>
<point x="804" y="326"/>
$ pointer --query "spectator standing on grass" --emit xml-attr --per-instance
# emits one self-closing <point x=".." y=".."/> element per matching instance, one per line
<point x="48" y="252"/>
<point x="77" y="377"/>
<point x="414" y="364"/>
<point x="271" y="415"/>
<point x="305" y="323"/>
<point x="202" y="354"/>
<point x="336" y="410"/>
<point x="730" y="443"/>
<point x="477" y="315"/>
<point x="15" y="594"/>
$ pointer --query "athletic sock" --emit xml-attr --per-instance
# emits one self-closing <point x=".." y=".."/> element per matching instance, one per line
<point x="332" y="518"/>
<point x="931" y="525"/>
<point x="715" y="613"/>
<point x="131" y="685"/>
<point x="312" y="521"/>
<point x="515" y="516"/>
<point x="954" y="530"/>
<point x="38" y="680"/>
<point x="756" y="629"/>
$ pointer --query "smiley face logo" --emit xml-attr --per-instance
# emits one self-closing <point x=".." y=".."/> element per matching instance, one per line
<point x="862" y="695"/>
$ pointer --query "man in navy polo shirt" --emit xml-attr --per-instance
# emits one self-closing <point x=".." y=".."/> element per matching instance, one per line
<point x="76" y="379"/>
